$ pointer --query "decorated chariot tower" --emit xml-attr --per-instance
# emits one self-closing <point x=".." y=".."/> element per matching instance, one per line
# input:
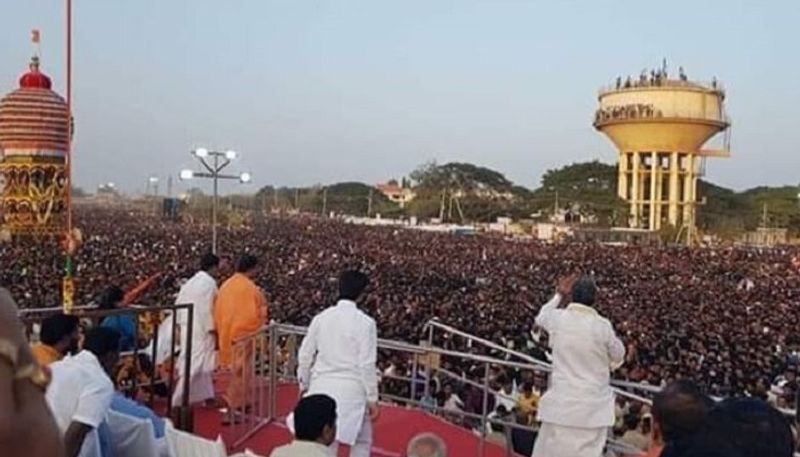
<point x="34" y="135"/>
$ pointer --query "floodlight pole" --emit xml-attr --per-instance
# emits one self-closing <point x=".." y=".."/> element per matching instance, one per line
<point x="214" y="204"/>
<point x="214" y="169"/>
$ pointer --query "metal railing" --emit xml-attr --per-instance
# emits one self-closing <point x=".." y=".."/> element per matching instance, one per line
<point x="620" y="388"/>
<point x="260" y="406"/>
<point x="94" y="316"/>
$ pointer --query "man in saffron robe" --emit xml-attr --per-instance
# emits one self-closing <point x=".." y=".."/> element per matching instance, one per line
<point x="240" y="310"/>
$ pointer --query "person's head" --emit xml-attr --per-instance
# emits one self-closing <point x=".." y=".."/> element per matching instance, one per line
<point x="111" y="297"/>
<point x="209" y="263"/>
<point x="60" y="331"/>
<point x="527" y="388"/>
<point x="426" y="445"/>
<point x="679" y="410"/>
<point x="352" y="284"/>
<point x="584" y="291"/>
<point x="315" y="419"/>
<point x="247" y="264"/>
<point x="631" y="421"/>
<point x="104" y="343"/>
<point x="743" y="427"/>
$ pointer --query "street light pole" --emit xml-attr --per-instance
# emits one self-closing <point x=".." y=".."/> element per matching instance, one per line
<point x="214" y="204"/>
<point x="201" y="154"/>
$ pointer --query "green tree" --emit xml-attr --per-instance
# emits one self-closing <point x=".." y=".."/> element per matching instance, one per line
<point x="590" y="186"/>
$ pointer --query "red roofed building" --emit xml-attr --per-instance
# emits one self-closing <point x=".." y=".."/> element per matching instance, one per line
<point x="395" y="193"/>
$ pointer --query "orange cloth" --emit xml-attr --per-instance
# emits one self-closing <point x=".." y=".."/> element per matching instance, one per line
<point x="655" y="450"/>
<point x="44" y="354"/>
<point x="239" y="310"/>
<point x="134" y="294"/>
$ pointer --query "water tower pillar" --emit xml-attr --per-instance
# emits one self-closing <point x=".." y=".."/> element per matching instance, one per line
<point x="688" y="177"/>
<point x="674" y="195"/>
<point x="636" y="193"/>
<point x="622" y="177"/>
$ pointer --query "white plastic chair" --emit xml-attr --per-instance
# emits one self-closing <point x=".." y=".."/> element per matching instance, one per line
<point x="182" y="444"/>
<point x="131" y="436"/>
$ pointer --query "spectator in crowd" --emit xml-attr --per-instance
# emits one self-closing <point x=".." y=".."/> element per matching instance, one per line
<point x="58" y="337"/>
<point x="528" y="403"/>
<point x="578" y="408"/>
<point x="742" y="427"/>
<point x="338" y="357"/>
<point x="679" y="411"/>
<point x="240" y="310"/>
<point x="81" y="391"/>
<point x="201" y="291"/>
<point x="497" y="435"/>
<point x="124" y="324"/>
<point x="634" y="436"/>
<point x="506" y="396"/>
<point x="450" y="400"/>
<point x="27" y="427"/>
<point x="522" y="439"/>
<point x="426" y="445"/>
<point x="314" y="428"/>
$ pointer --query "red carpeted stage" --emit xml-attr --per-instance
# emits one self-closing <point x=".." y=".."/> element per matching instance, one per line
<point x="393" y="430"/>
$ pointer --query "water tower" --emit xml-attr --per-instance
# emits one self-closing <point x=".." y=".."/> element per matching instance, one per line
<point x="659" y="126"/>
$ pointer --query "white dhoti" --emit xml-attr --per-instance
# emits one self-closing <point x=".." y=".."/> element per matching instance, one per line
<point x="353" y="426"/>
<point x="562" y="441"/>
<point x="203" y="364"/>
<point x="200" y="291"/>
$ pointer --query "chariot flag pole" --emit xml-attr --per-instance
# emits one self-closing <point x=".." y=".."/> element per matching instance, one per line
<point x="70" y="241"/>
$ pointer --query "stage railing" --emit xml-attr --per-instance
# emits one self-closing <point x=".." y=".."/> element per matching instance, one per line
<point x="94" y="316"/>
<point x="262" y="382"/>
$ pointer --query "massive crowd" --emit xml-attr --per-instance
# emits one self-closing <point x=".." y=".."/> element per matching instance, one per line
<point x="726" y="318"/>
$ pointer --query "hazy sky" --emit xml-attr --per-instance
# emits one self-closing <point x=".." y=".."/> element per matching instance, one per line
<point x="323" y="91"/>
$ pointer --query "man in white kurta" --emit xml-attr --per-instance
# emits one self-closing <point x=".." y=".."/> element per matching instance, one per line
<point x="337" y="358"/>
<point x="200" y="290"/>
<point x="578" y="408"/>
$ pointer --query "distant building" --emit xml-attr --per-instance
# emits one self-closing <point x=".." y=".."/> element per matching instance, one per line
<point x="616" y="236"/>
<point x="766" y="237"/>
<point x="396" y="193"/>
<point x="551" y="232"/>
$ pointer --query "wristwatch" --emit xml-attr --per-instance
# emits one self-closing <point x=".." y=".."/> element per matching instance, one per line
<point x="38" y="375"/>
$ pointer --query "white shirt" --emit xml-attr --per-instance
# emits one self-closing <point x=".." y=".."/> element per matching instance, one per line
<point x="585" y="349"/>
<point x="302" y="449"/>
<point x="337" y="358"/>
<point x="80" y="391"/>
<point x="345" y="343"/>
<point x="201" y="290"/>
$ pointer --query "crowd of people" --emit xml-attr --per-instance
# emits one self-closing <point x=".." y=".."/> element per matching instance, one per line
<point x="724" y="317"/>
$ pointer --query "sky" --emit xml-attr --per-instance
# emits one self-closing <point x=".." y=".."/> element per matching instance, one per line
<point x="325" y="91"/>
